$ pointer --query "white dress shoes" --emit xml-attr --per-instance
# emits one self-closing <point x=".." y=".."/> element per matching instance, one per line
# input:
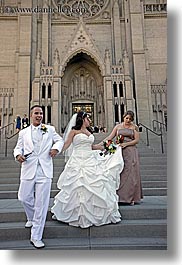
<point x="28" y="224"/>
<point x="37" y="243"/>
<point x="54" y="217"/>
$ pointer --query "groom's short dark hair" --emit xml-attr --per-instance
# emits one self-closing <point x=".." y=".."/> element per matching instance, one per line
<point x="35" y="106"/>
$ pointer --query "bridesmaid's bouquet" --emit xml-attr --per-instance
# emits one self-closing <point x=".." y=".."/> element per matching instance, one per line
<point x="119" y="139"/>
<point x="109" y="148"/>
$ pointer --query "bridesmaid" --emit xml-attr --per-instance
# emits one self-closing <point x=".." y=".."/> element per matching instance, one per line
<point x="130" y="189"/>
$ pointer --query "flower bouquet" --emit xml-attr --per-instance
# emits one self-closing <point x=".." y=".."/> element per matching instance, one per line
<point x="109" y="148"/>
<point x="119" y="139"/>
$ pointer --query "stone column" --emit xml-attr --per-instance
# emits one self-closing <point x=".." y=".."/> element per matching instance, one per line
<point x="55" y="107"/>
<point x="130" y="104"/>
<point x="116" y="32"/>
<point x="108" y="98"/>
<point x="139" y="63"/>
<point x="56" y="119"/>
<point x="35" y="91"/>
<point x="45" y="34"/>
<point x="37" y="65"/>
<point x="108" y="103"/>
<point x="23" y="60"/>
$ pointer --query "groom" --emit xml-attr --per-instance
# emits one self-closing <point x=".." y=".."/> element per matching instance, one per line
<point x="35" y="148"/>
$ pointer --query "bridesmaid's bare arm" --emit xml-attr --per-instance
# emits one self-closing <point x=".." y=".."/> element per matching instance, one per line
<point x="111" y="135"/>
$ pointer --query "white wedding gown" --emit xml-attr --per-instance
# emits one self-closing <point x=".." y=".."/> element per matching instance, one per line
<point x="88" y="186"/>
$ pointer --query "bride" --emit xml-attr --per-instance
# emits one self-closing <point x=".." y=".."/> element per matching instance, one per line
<point x="89" y="181"/>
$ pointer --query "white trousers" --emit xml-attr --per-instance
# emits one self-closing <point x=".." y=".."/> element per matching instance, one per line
<point x="35" y="195"/>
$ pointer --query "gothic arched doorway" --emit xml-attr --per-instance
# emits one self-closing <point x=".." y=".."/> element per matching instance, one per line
<point x="82" y="89"/>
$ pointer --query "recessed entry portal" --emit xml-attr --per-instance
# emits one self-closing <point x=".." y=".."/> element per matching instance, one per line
<point x="82" y="89"/>
<point x="86" y="107"/>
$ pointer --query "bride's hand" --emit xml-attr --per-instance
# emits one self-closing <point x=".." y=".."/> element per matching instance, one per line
<point x="53" y="152"/>
<point x="97" y="147"/>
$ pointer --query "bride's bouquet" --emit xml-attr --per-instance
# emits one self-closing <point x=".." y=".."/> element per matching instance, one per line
<point x="109" y="148"/>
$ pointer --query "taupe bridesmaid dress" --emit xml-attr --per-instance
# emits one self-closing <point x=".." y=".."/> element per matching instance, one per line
<point x="130" y="189"/>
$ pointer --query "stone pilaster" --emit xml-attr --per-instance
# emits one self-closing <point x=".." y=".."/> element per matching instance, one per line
<point x="23" y="60"/>
<point x="45" y="34"/>
<point x="35" y="91"/>
<point x="56" y="119"/>
<point x="130" y="104"/>
<point x="107" y="63"/>
<point x="116" y="31"/>
<point x="139" y="63"/>
<point x="108" y="103"/>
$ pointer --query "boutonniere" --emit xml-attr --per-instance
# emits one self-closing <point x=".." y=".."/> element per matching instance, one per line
<point x="43" y="128"/>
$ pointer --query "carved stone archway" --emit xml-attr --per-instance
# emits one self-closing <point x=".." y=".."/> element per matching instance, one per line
<point x="82" y="86"/>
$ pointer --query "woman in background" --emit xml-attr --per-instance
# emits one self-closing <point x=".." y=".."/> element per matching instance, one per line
<point x="18" y="123"/>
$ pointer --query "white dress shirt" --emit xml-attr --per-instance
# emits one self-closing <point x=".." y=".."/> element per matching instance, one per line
<point x="37" y="136"/>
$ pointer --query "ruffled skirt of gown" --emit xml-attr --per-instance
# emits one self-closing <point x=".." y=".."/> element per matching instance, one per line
<point x="88" y="187"/>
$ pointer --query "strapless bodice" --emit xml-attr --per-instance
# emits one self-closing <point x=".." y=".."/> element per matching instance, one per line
<point x="127" y="133"/>
<point x="82" y="142"/>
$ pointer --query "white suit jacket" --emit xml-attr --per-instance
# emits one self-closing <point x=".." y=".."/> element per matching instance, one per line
<point x="51" y="140"/>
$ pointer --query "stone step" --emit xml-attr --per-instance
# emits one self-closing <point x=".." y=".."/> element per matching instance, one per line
<point x="87" y="243"/>
<point x="142" y="154"/>
<point x="155" y="191"/>
<point x="55" y="229"/>
<point x="156" y="177"/>
<point x="143" y="172"/>
<point x="128" y="213"/>
<point x="153" y="171"/>
<point x="141" y="145"/>
<point x="15" y="179"/>
<point x="144" y="158"/>
<point x="149" y="154"/>
<point x="150" y="208"/>
<point x="154" y="184"/>
<point x="12" y="194"/>
<point x="59" y="168"/>
<point x="11" y="161"/>
<point x="153" y="162"/>
<point x="145" y="184"/>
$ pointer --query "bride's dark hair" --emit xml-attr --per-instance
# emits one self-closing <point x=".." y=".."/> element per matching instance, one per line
<point x="79" y="121"/>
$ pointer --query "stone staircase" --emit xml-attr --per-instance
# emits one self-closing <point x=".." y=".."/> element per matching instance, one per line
<point x="143" y="226"/>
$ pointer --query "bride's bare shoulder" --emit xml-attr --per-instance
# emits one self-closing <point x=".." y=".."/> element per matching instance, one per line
<point x="73" y="132"/>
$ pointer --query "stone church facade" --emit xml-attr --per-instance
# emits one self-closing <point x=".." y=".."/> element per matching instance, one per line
<point x="100" y="56"/>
